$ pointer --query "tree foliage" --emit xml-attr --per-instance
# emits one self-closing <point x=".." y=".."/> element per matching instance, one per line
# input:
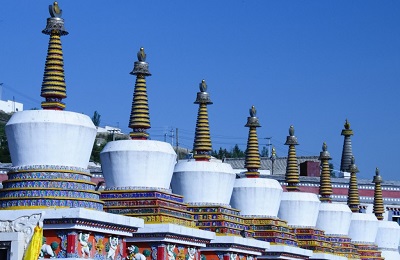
<point x="264" y="152"/>
<point x="235" y="152"/>
<point x="331" y="167"/>
<point x="96" y="118"/>
<point x="97" y="148"/>
<point x="4" y="151"/>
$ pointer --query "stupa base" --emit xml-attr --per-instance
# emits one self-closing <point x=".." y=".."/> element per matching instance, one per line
<point x="77" y="233"/>
<point x="154" y="206"/>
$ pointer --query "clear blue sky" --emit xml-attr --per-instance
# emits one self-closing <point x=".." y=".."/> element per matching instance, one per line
<point x="307" y="63"/>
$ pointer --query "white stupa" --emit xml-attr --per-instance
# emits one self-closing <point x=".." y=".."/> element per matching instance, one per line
<point x="200" y="179"/>
<point x="388" y="235"/>
<point x="301" y="209"/>
<point x="49" y="194"/>
<point x="363" y="226"/>
<point x="259" y="198"/>
<point x="207" y="186"/>
<point x="333" y="218"/>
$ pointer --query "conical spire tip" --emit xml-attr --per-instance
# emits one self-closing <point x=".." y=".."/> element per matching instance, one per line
<point x="347" y="124"/>
<point x="291" y="130"/>
<point x="377" y="177"/>
<point x="141" y="55"/>
<point x="55" y="10"/>
<point x="253" y="111"/>
<point x="203" y="86"/>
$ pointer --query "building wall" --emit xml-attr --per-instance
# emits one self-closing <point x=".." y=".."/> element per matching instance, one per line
<point x="10" y="106"/>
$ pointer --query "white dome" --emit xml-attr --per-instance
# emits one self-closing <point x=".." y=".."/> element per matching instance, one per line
<point x="299" y="209"/>
<point x="363" y="227"/>
<point x="390" y="255"/>
<point x="203" y="182"/>
<point x="334" y="219"/>
<point x="50" y="137"/>
<point x="257" y="196"/>
<point x="138" y="163"/>
<point x="388" y="235"/>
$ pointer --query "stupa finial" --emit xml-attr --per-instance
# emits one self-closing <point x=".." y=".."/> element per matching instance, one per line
<point x="353" y="199"/>
<point x="53" y="86"/>
<point x="203" y="86"/>
<point x="202" y="141"/>
<point x="253" y="111"/>
<point x="346" y="125"/>
<point x="141" y="55"/>
<point x="325" y="188"/>
<point x="291" y="130"/>
<point x="292" y="169"/>
<point x="55" y="10"/>
<point x="347" y="152"/>
<point x="140" y="117"/>
<point x="252" y="162"/>
<point x="379" y="209"/>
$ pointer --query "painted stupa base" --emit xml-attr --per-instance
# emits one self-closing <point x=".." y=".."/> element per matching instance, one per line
<point x="286" y="252"/>
<point x="167" y="242"/>
<point x="78" y="233"/>
<point x="44" y="186"/>
<point x="234" y="248"/>
<point x="368" y="251"/>
<point x="327" y="256"/>
<point x="222" y="220"/>
<point x="150" y="204"/>
<point x="313" y="239"/>
<point x="344" y="247"/>
<point x="272" y="230"/>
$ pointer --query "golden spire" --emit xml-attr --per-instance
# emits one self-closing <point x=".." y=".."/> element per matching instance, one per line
<point x="347" y="152"/>
<point x="325" y="188"/>
<point x="353" y="199"/>
<point x="252" y="162"/>
<point x="292" y="169"/>
<point x="140" y="119"/>
<point x="53" y="86"/>
<point x="378" y="198"/>
<point x="202" y="141"/>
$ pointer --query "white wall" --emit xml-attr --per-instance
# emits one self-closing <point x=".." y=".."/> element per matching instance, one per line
<point x="10" y="106"/>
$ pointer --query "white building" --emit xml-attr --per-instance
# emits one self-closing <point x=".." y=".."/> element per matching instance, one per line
<point x="11" y="106"/>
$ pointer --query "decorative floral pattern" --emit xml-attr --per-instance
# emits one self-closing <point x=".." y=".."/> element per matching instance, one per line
<point x="144" y="194"/>
<point x="49" y="175"/>
<point x="26" y="203"/>
<point x="61" y="184"/>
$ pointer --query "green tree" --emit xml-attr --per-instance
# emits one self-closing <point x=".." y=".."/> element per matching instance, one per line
<point x="97" y="148"/>
<point x="264" y="152"/>
<point x="5" y="156"/>
<point x="96" y="118"/>
<point x="237" y="153"/>
<point x="222" y="153"/>
<point x="331" y="167"/>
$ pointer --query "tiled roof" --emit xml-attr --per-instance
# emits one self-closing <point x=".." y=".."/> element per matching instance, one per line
<point x="266" y="163"/>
